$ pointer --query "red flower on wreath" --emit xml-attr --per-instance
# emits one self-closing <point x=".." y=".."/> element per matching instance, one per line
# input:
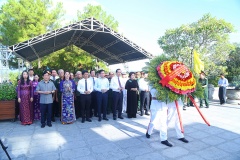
<point x="177" y="77"/>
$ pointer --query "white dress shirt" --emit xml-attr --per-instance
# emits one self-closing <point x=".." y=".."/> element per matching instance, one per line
<point x="31" y="78"/>
<point x="143" y="84"/>
<point x="93" y="79"/>
<point x="115" y="85"/>
<point x="101" y="83"/>
<point x="56" y="77"/>
<point x="81" y="85"/>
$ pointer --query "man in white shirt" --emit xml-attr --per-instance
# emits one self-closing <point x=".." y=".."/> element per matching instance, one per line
<point x="117" y="87"/>
<point x="144" y="94"/>
<point x="222" y="83"/>
<point x="31" y="74"/>
<point x="54" y="76"/>
<point x="93" y="108"/>
<point x="101" y="87"/>
<point x="85" y="87"/>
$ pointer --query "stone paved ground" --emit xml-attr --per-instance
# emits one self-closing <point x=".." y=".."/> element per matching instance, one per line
<point x="125" y="139"/>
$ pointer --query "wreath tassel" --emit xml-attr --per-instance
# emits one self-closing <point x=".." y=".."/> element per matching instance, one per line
<point x="199" y="111"/>
<point x="179" y="116"/>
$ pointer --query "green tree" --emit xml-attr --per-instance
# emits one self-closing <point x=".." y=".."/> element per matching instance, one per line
<point x="209" y="36"/>
<point x="21" y="20"/>
<point x="98" y="13"/>
<point x="24" y="19"/>
<point x="232" y="63"/>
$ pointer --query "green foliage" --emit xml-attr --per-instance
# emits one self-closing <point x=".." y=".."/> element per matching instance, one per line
<point x="71" y="59"/>
<point x="24" y="19"/>
<point x="232" y="64"/>
<point x="208" y="36"/>
<point x="164" y="93"/>
<point x="98" y="13"/>
<point x="213" y="80"/>
<point x="13" y="77"/>
<point x="7" y="92"/>
<point x="21" y="20"/>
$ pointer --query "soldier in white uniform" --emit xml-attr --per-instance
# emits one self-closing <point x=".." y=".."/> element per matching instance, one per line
<point x="163" y="113"/>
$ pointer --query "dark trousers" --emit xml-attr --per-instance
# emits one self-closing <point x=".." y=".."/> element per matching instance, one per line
<point x="102" y="99"/>
<point x="117" y="103"/>
<point x="59" y="105"/>
<point x="85" y="105"/>
<point x="110" y="101"/>
<point x="46" y="109"/>
<point x="93" y="110"/>
<point x="78" y="106"/>
<point x="144" y="101"/>
<point x="222" y="94"/>
<point x="55" y="110"/>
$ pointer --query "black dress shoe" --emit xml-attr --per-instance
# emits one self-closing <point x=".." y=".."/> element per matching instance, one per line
<point x="141" y="114"/>
<point x="201" y="107"/>
<point x="83" y="120"/>
<point x="114" y="118"/>
<point x="49" y="125"/>
<point x="43" y="125"/>
<point x="105" y="119"/>
<point x="89" y="120"/>
<point x="166" y="143"/>
<point x="120" y="117"/>
<point x="207" y="107"/>
<point x="53" y="119"/>
<point x="146" y="113"/>
<point x="148" y="135"/>
<point x="183" y="140"/>
<point x="99" y="119"/>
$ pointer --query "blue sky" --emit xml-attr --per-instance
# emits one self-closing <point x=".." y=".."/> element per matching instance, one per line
<point x="144" y="21"/>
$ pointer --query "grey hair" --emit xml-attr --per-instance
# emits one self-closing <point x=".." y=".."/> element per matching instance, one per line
<point x="78" y="72"/>
<point x="60" y="71"/>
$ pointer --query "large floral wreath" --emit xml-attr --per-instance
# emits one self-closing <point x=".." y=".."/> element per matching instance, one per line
<point x="172" y="79"/>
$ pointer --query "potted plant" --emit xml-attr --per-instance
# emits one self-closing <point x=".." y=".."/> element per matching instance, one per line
<point x="7" y="101"/>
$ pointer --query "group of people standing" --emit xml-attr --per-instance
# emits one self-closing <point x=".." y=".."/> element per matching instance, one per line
<point x="84" y="95"/>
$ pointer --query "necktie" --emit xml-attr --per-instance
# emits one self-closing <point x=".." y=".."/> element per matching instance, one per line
<point x="54" y="78"/>
<point x="93" y="81"/>
<point x="85" y="85"/>
<point x="119" y="83"/>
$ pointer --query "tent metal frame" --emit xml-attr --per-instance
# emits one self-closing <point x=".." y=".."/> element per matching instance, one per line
<point x="89" y="24"/>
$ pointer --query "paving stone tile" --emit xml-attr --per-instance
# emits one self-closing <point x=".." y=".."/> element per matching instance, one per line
<point x="229" y="147"/>
<point x="212" y="153"/>
<point x="105" y="148"/>
<point x="138" y="150"/>
<point x="195" y="146"/>
<point x="191" y="157"/>
<point x="228" y="135"/>
<point x="75" y="153"/>
<point x="213" y="140"/>
<point x="129" y="143"/>
<point x="150" y="156"/>
<point x="174" y="152"/>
